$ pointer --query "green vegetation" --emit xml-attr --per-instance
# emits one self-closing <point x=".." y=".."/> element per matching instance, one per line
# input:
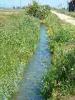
<point x="39" y="11"/>
<point x="59" y="81"/>
<point x="19" y="34"/>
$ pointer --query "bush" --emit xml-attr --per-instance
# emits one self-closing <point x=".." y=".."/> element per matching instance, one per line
<point x="33" y="9"/>
<point x="38" y="11"/>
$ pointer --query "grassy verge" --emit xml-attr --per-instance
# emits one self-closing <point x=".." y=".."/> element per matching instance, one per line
<point x="72" y="14"/>
<point x="60" y="78"/>
<point x="19" y="34"/>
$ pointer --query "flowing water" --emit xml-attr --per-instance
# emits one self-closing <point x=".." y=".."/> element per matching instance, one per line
<point x="30" y="89"/>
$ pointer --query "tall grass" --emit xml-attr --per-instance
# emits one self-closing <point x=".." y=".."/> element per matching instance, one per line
<point x="19" y="34"/>
<point x="59" y="80"/>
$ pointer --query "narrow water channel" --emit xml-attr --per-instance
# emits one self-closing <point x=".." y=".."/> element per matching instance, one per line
<point x="30" y="89"/>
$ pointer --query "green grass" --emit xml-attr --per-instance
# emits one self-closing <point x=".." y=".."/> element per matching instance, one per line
<point x="59" y="80"/>
<point x="19" y="35"/>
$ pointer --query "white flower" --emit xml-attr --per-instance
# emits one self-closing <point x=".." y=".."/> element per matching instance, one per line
<point x="72" y="69"/>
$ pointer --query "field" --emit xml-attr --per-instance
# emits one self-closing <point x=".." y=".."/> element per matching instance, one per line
<point x="19" y="35"/>
<point x="59" y="81"/>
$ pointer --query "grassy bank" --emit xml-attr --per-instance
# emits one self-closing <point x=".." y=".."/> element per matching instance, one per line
<point x="19" y="34"/>
<point x="59" y="81"/>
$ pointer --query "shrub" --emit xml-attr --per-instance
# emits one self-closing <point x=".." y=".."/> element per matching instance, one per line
<point x="37" y="10"/>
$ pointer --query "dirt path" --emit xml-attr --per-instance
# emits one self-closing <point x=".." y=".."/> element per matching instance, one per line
<point x="64" y="17"/>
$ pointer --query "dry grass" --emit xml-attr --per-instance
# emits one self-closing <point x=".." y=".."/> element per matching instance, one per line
<point x="68" y="98"/>
<point x="9" y="12"/>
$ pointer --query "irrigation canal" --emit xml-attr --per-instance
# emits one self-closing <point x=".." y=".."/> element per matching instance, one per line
<point x="30" y="89"/>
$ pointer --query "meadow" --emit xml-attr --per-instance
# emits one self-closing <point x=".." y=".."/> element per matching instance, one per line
<point x="19" y="35"/>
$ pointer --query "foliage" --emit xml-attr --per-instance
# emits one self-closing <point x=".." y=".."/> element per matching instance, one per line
<point x="61" y="76"/>
<point x="33" y="9"/>
<point x="18" y="39"/>
<point x="38" y="11"/>
<point x="59" y="80"/>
